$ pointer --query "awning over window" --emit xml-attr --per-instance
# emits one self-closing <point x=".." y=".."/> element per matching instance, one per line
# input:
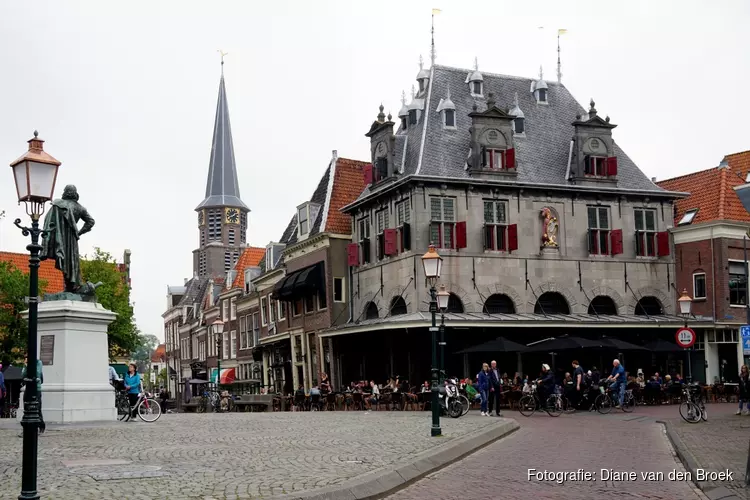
<point x="306" y="281"/>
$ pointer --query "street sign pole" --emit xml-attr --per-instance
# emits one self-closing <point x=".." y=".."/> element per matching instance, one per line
<point x="685" y="338"/>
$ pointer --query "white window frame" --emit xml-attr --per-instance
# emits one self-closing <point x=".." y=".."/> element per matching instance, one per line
<point x="225" y="345"/>
<point x="271" y="310"/>
<point x="498" y="227"/>
<point x="747" y="286"/>
<point x="194" y="354"/>
<point x="688" y="216"/>
<point x="312" y="306"/>
<point x="233" y="308"/>
<point x="705" y="291"/>
<point x="317" y="300"/>
<point x="645" y="236"/>
<point x="445" y="119"/>
<point x="599" y="230"/>
<point x="243" y="337"/>
<point x="443" y="223"/>
<point x="281" y="310"/>
<point x="263" y="319"/>
<point x="256" y="330"/>
<point x="202" y="350"/>
<point x="304" y="208"/>
<point x="343" y="290"/>
<point x="494" y="159"/>
<point x="269" y="258"/>
<point x="225" y="310"/>
<point x="481" y="88"/>
<point x="233" y="344"/>
<point x="403" y="216"/>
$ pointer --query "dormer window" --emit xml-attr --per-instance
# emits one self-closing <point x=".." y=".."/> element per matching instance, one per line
<point x="450" y="118"/>
<point x="476" y="88"/>
<point x="404" y="123"/>
<point x="542" y="95"/>
<point x="269" y="258"/>
<point x="494" y="158"/>
<point x="421" y="85"/>
<point x="596" y="166"/>
<point x="539" y="88"/>
<point x="688" y="217"/>
<point x="519" y="126"/>
<point x="303" y="220"/>
<point x="475" y="79"/>
<point x="412" y="117"/>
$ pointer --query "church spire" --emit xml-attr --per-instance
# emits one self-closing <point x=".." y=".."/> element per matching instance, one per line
<point x="222" y="186"/>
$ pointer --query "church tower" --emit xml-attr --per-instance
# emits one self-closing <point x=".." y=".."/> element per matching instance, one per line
<point x="222" y="215"/>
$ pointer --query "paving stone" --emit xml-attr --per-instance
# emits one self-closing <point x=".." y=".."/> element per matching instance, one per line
<point x="220" y="456"/>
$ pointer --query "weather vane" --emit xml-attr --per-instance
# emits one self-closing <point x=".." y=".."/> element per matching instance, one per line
<point x="222" y="55"/>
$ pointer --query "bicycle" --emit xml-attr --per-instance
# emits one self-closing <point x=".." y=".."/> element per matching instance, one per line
<point x="148" y="408"/>
<point x="605" y="401"/>
<point x="529" y="403"/>
<point x="692" y="409"/>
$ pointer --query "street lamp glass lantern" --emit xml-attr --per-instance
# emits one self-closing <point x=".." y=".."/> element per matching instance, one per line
<point x="432" y="263"/>
<point x="685" y="302"/>
<point x="35" y="174"/>
<point x="442" y="298"/>
<point x="216" y="325"/>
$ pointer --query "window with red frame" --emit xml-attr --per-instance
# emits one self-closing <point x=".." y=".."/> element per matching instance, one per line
<point x="495" y="225"/>
<point x="403" y="219"/>
<point x="645" y="232"/>
<point x="494" y="158"/>
<point x="599" y="229"/>
<point x="442" y="221"/>
<point x="596" y="166"/>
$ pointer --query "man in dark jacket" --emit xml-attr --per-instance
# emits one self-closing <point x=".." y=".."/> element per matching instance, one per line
<point x="495" y="389"/>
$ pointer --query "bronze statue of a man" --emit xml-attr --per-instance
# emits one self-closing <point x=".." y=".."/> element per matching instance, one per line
<point x="60" y="242"/>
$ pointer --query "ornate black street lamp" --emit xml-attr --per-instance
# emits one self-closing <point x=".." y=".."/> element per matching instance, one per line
<point x="35" y="174"/>
<point x="686" y="302"/>
<point x="433" y="263"/>
<point x="217" y="327"/>
<point x="442" y="299"/>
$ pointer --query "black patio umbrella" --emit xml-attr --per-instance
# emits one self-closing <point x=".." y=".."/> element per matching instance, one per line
<point x="562" y="344"/>
<point x="500" y="344"/>
<point x="620" y="345"/>
<point x="660" y="345"/>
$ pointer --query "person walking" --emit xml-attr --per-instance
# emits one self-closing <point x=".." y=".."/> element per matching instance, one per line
<point x="495" y="389"/>
<point x="578" y="382"/>
<point x="744" y="390"/>
<point x="484" y="388"/>
<point x="133" y="386"/>
<point x="39" y="382"/>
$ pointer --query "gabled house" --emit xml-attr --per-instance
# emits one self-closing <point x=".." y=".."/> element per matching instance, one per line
<point x="710" y="235"/>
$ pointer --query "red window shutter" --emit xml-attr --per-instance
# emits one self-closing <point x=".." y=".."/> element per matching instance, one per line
<point x="352" y="252"/>
<point x="390" y="241"/>
<point x="512" y="237"/>
<point x="616" y="241"/>
<point x="662" y="243"/>
<point x="367" y="170"/>
<point x="510" y="158"/>
<point x="612" y="166"/>
<point x="461" y="234"/>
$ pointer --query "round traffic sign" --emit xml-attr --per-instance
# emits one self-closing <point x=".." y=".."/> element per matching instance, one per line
<point x="685" y="337"/>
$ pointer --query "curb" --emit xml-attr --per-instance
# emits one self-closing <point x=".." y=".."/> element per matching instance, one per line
<point x="691" y="464"/>
<point x="379" y="483"/>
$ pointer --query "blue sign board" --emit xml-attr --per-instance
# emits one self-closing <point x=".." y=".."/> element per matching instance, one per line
<point x="745" y="331"/>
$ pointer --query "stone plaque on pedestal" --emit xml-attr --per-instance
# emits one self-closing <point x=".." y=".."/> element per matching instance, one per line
<point x="73" y="339"/>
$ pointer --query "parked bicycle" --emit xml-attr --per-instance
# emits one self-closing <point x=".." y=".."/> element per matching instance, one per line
<point x="693" y="405"/>
<point x="530" y="403"/>
<point x="608" y="399"/>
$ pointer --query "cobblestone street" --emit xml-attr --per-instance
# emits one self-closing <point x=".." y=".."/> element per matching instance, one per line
<point x="588" y="441"/>
<point x="224" y="456"/>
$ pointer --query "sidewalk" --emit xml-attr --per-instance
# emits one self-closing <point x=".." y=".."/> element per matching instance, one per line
<point x="717" y="445"/>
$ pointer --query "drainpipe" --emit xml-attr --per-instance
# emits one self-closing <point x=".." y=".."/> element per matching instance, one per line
<point x="351" y="295"/>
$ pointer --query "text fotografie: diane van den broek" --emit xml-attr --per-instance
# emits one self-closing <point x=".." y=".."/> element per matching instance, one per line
<point x="581" y="475"/>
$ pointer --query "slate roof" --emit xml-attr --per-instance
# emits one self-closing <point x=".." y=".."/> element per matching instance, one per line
<point x="712" y="191"/>
<point x="541" y="156"/>
<point x="222" y="186"/>
<point x="250" y="257"/>
<point x="47" y="271"/>
<point x="195" y="288"/>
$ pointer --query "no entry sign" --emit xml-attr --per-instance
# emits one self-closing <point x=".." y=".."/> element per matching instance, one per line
<point x="685" y="337"/>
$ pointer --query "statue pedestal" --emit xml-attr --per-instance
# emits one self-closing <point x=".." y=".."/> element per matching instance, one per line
<point x="549" y="252"/>
<point x="73" y="347"/>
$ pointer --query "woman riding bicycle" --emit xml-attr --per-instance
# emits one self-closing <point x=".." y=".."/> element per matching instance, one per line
<point x="133" y="386"/>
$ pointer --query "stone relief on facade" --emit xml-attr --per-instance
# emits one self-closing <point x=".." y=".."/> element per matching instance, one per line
<point x="549" y="228"/>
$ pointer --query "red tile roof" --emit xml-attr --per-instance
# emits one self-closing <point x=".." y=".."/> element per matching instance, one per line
<point x="712" y="191"/>
<point x="348" y="184"/>
<point x="47" y="272"/>
<point x="251" y="257"/>
<point x="160" y="354"/>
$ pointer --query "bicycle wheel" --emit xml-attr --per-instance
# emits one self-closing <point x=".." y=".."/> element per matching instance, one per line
<point x="628" y="402"/>
<point x="554" y="406"/>
<point x="690" y="412"/>
<point x="527" y="405"/>
<point x="603" y="404"/>
<point x="123" y="409"/>
<point x="149" y="410"/>
<point x="704" y="411"/>
<point x="568" y="407"/>
<point x="465" y="405"/>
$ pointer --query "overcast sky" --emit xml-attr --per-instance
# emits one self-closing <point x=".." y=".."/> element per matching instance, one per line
<point x="124" y="93"/>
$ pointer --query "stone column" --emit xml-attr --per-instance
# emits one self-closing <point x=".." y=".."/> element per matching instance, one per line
<point x="74" y="351"/>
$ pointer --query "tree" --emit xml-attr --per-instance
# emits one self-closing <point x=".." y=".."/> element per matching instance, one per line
<point x="145" y="347"/>
<point x="113" y="294"/>
<point x="14" y="288"/>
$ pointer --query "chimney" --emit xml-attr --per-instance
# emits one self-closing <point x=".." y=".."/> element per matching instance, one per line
<point x="653" y="179"/>
<point x="335" y="154"/>
<point x="185" y="280"/>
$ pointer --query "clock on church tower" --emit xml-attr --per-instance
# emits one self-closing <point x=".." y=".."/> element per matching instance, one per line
<point x="232" y="216"/>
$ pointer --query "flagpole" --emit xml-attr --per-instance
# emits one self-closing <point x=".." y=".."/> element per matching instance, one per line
<point x="432" y="33"/>
<point x="559" y="69"/>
